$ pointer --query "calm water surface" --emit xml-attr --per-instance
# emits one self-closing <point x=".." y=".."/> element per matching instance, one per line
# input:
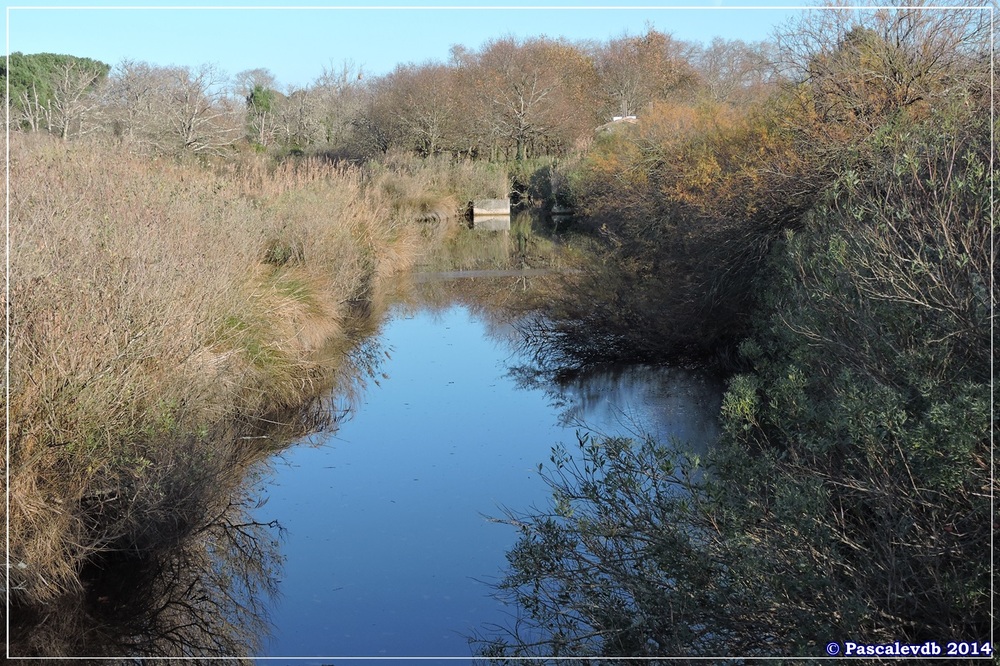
<point x="388" y="550"/>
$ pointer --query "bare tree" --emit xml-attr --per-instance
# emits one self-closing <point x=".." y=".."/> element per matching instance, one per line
<point x="197" y="112"/>
<point x="634" y="71"/>
<point x="263" y="102"/>
<point x="73" y="105"/>
<point x="532" y="91"/>
<point x="418" y="106"/>
<point x="75" y="99"/>
<point x="863" y="64"/>
<point x="34" y="113"/>
<point x="173" y="109"/>
<point x="733" y="70"/>
<point x="130" y="96"/>
<point x="297" y="118"/>
<point x="338" y="95"/>
<point x="248" y="79"/>
<point x="518" y="91"/>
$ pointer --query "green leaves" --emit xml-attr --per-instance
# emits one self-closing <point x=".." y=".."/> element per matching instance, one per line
<point x="849" y="492"/>
<point x="741" y="402"/>
<point x="261" y="100"/>
<point x="866" y="414"/>
<point x="36" y="75"/>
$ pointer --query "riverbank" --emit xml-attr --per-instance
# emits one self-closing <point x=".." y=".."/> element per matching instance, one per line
<point x="837" y="268"/>
<point x="164" y="316"/>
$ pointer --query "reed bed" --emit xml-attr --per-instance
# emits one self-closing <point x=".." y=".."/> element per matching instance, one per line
<point x="159" y="310"/>
<point x="438" y="187"/>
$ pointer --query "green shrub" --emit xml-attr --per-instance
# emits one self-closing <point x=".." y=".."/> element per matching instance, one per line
<point x="849" y="494"/>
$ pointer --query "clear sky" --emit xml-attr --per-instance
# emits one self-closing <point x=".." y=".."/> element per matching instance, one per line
<point x="295" y="43"/>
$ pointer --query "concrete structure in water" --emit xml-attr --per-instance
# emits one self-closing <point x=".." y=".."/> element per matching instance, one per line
<point x="561" y="213"/>
<point x="491" y="214"/>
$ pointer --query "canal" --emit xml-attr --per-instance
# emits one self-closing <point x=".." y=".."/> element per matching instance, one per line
<point x="388" y="546"/>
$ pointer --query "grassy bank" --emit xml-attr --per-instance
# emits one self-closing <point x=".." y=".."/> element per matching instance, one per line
<point x="162" y="315"/>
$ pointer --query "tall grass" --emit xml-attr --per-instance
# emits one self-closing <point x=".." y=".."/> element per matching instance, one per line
<point x="158" y="312"/>
<point x="437" y="187"/>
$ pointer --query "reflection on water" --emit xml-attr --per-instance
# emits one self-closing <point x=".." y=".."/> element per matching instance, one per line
<point x="202" y="595"/>
<point x="389" y="551"/>
<point x="638" y="400"/>
<point x="186" y="569"/>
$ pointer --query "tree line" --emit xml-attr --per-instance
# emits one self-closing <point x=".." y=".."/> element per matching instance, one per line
<point x="510" y="99"/>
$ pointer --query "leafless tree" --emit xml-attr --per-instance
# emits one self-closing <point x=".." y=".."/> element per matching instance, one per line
<point x="74" y="105"/>
<point x="130" y="96"/>
<point x="418" y="106"/>
<point x="297" y="118"/>
<point x="634" y="71"/>
<point x="248" y="79"/>
<point x="196" y="112"/>
<point x="733" y="70"/>
<point x="173" y="109"/>
<point x="258" y="87"/>
<point x="532" y="91"/>
<point x="862" y="64"/>
<point x="33" y="113"/>
<point x="337" y="97"/>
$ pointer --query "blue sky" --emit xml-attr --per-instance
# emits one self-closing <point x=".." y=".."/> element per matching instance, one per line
<point x="295" y="43"/>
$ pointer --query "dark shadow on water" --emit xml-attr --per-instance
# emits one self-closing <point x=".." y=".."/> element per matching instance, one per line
<point x="198" y="592"/>
<point x="184" y="569"/>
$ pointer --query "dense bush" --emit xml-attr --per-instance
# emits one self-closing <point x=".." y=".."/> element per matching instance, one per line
<point x="689" y="201"/>
<point x="686" y="205"/>
<point x="165" y="319"/>
<point x="849" y="495"/>
<point x="870" y="389"/>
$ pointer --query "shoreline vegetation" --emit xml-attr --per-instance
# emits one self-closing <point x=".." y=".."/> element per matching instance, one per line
<point x="167" y="317"/>
<point x="808" y="216"/>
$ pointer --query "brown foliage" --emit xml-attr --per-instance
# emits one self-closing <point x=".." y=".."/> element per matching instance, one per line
<point x="151" y="329"/>
<point x="635" y="71"/>
<point x="533" y="95"/>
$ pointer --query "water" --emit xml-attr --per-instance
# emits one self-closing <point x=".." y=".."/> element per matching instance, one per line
<point x="389" y="550"/>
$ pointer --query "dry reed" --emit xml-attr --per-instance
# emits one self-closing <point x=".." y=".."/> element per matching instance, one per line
<point x="155" y="303"/>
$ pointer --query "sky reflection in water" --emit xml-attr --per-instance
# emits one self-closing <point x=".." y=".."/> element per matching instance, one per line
<point x="388" y="551"/>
